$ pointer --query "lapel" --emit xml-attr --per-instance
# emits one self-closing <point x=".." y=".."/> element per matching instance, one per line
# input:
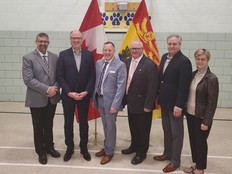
<point x="138" y="68"/>
<point x="40" y="60"/>
<point x="100" y="64"/>
<point x="111" y="65"/>
<point x="72" y="59"/>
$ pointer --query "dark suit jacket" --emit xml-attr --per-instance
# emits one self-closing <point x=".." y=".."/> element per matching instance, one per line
<point x="143" y="88"/>
<point x="174" y="82"/>
<point x="68" y="76"/>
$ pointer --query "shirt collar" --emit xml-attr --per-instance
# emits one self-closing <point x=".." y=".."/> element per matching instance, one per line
<point x="41" y="54"/>
<point x="74" y="52"/>
<point x="138" y="59"/>
<point x="108" y="61"/>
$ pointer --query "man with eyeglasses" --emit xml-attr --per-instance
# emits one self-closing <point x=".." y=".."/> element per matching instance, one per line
<point x="42" y="96"/>
<point x="76" y="76"/>
<point x="141" y="91"/>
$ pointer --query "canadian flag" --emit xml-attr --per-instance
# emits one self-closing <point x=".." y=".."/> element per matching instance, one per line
<point x="94" y="37"/>
<point x="92" y="30"/>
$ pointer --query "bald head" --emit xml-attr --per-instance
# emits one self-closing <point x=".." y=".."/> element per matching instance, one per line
<point x="76" y="40"/>
<point x="136" y="49"/>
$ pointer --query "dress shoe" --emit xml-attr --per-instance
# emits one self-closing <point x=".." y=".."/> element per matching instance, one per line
<point x="170" y="168"/>
<point x="43" y="158"/>
<point x="138" y="159"/>
<point x="189" y="169"/>
<point x="127" y="151"/>
<point x="68" y="155"/>
<point x="86" y="155"/>
<point x="101" y="153"/>
<point x="106" y="159"/>
<point x="198" y="171"/>
<point x="161" y="158"/>
<point x="53" y="153"/>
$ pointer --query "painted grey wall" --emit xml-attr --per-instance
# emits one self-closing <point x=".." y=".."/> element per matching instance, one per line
<point x="14" y="44"/>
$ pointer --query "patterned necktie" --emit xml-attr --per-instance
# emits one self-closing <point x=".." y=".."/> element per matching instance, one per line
<point x="101" y="78"/>
<point x="131" y="73"/>
<point x="45" y="63"/>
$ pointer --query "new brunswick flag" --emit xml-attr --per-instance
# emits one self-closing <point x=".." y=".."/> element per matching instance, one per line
<point x="140" y="29"/>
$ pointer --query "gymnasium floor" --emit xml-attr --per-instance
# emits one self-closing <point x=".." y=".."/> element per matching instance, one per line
<point x="17" y="154"/>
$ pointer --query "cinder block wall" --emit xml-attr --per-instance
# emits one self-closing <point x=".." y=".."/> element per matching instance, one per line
<point x="14" y="44"/>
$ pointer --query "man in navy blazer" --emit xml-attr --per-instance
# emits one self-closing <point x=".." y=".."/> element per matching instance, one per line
<point x="42" y="96"/>
<point x="76" y="76"/>
<point x="141" y="92"/>
<point x="175" y="78"/>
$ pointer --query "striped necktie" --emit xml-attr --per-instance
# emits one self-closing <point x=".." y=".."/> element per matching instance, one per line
<point x="45" y="62"/>
<point x="101" y="78"/>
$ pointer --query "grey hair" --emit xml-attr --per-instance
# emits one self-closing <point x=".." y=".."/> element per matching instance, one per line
<point x="176" y="36"/>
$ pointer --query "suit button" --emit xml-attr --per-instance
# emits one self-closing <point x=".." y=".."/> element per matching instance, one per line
<point x="162" y="81"/>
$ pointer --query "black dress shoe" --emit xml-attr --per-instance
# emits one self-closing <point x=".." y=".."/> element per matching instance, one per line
<point x="54" y="153"/>
<point x="127" y="151"/>
<point x="43" y="158"/>
<point x="68" y="155"/>
<point x="86" y="155"/>
<point x="138" y="159"/>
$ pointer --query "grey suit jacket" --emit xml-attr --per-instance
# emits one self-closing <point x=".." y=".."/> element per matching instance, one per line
<point x="37" y="79"/>
<point x="114" y="83"/>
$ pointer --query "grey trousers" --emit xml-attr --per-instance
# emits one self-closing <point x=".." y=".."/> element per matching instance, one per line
<point x="173" y="136"/>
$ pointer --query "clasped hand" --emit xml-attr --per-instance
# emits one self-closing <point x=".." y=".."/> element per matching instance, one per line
<point x="52" y="90"/>
<point x="77" y="96"/>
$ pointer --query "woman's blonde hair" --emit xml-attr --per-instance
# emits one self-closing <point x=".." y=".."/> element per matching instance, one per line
<point x="202" y="51"/>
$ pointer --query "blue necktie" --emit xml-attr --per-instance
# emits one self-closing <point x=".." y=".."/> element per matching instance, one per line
<point x="101" y="78"/>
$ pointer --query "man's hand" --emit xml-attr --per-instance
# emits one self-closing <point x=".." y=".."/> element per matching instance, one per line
<point x="52" y="90"/>
<point x="177" y="111"/>
<point x="77" y="96"/>
<point x="113" y="111"/>
<point x="146" y="110"/>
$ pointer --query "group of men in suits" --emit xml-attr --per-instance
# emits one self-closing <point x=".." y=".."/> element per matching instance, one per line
<point x="112" y="84"/>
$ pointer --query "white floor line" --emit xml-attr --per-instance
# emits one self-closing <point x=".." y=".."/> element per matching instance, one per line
<point x="90" y="168"/>
<point x="116" y="152"/>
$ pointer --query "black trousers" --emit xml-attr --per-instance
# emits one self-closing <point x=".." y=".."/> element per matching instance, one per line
<point x="198" y="141"/>
<point x="69" y="108"/>
<point x="42" y="120"/>
<point x="140" y="126"/>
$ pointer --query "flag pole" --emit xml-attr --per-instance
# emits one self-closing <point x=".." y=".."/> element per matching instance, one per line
<point x="95" y="133"/>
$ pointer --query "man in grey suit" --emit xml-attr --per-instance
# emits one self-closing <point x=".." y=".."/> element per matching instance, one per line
<point x="141" y="92"/>
<point x="175" y="77"/>
<point x="42" y="96"/>
<point x="108" y="93"/>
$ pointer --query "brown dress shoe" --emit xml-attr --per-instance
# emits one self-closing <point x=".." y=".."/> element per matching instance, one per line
<point x="161" y="158"/>
<point x="106" y="159"/>
<point x="101" y="153"/>
<point x="170" y="168"/>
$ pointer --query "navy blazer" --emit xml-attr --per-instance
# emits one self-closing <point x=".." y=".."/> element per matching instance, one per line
<point x="174" y="82"/>
<point x="68" y="76"/>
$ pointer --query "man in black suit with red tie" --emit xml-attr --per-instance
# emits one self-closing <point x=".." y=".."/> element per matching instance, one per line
<point x="141" y="92"/>
<point x="76" y="76"/>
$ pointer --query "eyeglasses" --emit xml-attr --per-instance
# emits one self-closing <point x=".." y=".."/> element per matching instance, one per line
<point x="76" y="38"/>
<point x="43" y="41"/>
<point x="135" y="49"/>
